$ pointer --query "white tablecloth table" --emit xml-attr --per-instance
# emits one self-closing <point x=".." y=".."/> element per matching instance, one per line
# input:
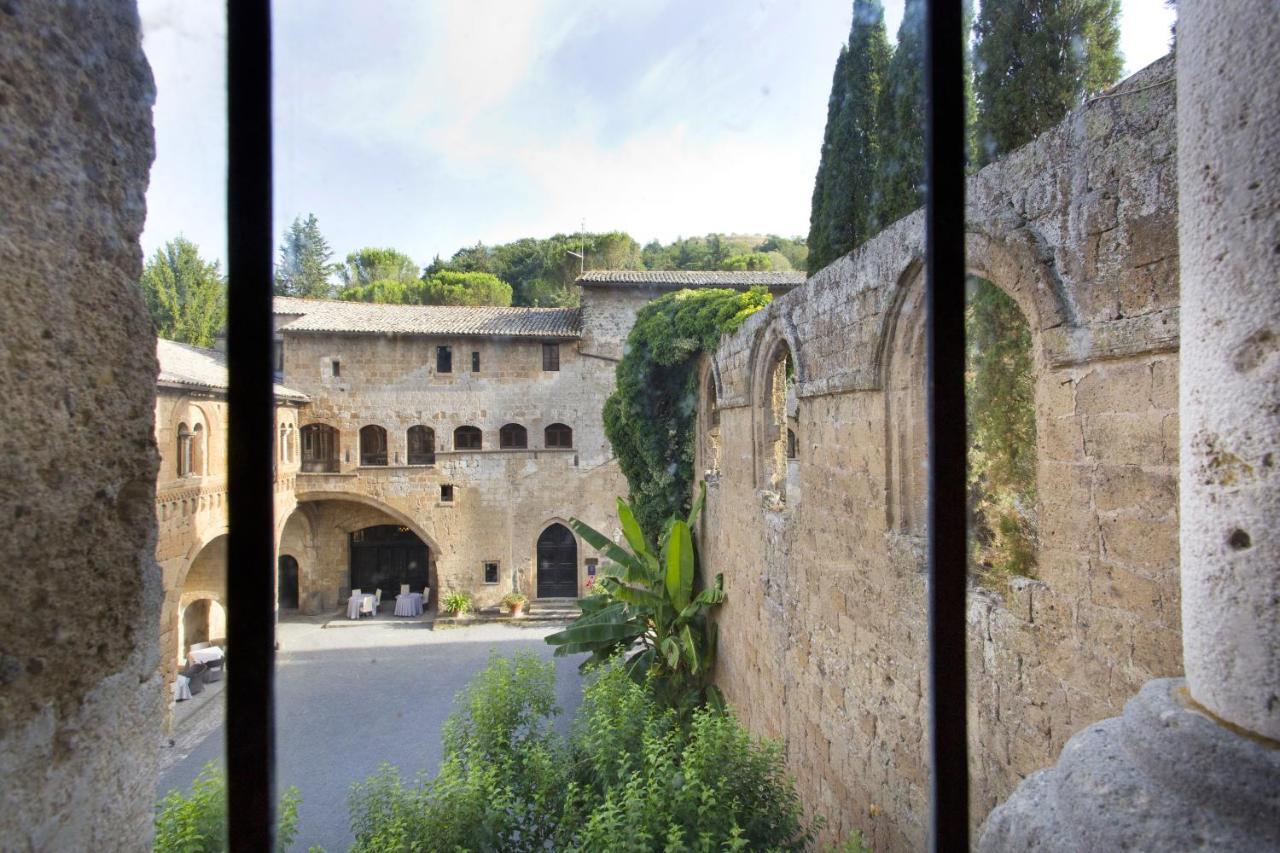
<point x="181" y="688"/>
<point x="205" y="656"/>
<point x="353" y="604"/>
<point x="409" y="605"/>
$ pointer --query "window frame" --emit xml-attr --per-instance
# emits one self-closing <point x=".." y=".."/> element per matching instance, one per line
<point x="475" y="361"/>
<point x="430" y="454"/>
<point x="552" y="429"/>
<point x="468" y="430"/>
<point x="513" y="436"/>
<point x="497" y="572"/>
<point x="550" y="356"/>
<point x="379" y="455"/>
<point x="444" y="359"/>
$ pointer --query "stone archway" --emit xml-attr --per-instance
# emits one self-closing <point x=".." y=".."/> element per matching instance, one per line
<point x="557" y="563"/>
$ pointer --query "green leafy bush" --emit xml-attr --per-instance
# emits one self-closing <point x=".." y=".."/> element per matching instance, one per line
<point x="629" y="777"/>
<point x="649" y="418"/>
<point x="457" y="603"/>
<point x="197" y="822"/>
<point x="649" y="606"/>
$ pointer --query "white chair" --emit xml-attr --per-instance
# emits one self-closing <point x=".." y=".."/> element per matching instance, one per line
<point x="404" y="589"/>
<point x="377" y="602"/>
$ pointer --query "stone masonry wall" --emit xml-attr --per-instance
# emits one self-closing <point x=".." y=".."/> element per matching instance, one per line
<point x="79" y="688"/>
<point x="823" y="632"/>
<point x="503" y="499"/>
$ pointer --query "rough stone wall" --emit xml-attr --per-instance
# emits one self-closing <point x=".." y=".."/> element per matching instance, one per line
<point x="191" y="510"/>
<point x="503" y="499"/>
<point x="823" y="632"/>
<point x="79" y="704"/>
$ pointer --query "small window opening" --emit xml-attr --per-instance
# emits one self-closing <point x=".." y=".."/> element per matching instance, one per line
<point x="422" y="445"/>
<point x="475" y="362"/>
<point x="467" y="438"/>
<point x="793" y="445"/>
<point x="184" y="451"/>
<point x="490" y="572"/>
<point x="513" y="436"/>
<point x="550" y="356"/>
<point x="336" y="366"/>
<point x="446" y="493"/>
<point x="444" y="359"/>
<point x="558" y="436"/>
<point x="373" y="445"/>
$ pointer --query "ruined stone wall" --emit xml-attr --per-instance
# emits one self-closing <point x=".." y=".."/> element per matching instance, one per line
<point x="823" y="631"/>
<point x="79" y="689"/>
<point x="503" y="499"/>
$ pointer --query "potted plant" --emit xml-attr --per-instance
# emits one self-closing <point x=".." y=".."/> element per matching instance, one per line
<point x="457" y="604"/>
<point x="515" y="601"/>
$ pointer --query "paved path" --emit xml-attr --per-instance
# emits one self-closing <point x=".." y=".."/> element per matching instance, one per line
<point x="349" y="698"/>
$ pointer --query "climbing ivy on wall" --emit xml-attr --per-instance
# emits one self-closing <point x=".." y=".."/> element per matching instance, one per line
<point x="650" y="418"/>
<point x="1002" y="433"/>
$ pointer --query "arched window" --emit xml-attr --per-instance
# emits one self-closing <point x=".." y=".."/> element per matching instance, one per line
<point x="780" y="414"/>
<point x="466" y="438"/>
<point x="907" y="451"/>
<point x="288" y="445"/>
<point x="422" y="445"/>
<point x="558" y="435"/>
<point x="513" y="436"/>
<point x="708" y="444"/>
<point x="373" y="445"/>
<point x="184" y="451"/>
<point x="320" y="448"/>
<point x="281" y="442"/>
<point x="197" y="450"/>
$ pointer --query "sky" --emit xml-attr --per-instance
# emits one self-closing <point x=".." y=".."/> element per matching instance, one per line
<point x="429" y="126"/>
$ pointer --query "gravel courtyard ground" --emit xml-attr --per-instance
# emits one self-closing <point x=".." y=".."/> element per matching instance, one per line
<point x="351" y="697"/>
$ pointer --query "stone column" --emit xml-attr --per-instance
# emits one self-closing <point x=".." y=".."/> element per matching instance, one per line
<point x="1229" y="243"/>
<point x="1195" y="764"/>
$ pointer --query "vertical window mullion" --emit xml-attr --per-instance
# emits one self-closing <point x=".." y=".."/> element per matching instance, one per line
<point x="944" y="318"/>
<point x="250" y="723"/>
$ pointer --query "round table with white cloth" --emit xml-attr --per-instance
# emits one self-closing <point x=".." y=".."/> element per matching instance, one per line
<point x="354" y="604"/>
<point x="205" y="656"/>
<point x="181" y="688"/>
<point x="409" y="605"/>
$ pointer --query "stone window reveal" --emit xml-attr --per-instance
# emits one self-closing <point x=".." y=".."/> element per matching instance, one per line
<point x="422" y="445"/>
<point x="513" y="436"/>
<point x="467" y="438"/>
<point x="373" y="445"/>
<point x="780" y="413"/>
<point x="558" y="436"/>
<point x="320" y="449"/>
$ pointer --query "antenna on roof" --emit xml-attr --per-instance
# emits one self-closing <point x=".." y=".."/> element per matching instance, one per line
<point x="582" y="255"/>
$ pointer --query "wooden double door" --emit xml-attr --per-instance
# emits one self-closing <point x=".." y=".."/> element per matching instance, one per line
<point x="557" y="563"/>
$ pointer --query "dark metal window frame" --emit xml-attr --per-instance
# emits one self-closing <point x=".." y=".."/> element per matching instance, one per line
<point x="444" y="359"/>
<point x="513" y="436"/>
<point x="497" y="571"/>
<point x="550" y="356"/>
<point x="475" y="361"/>
<point x="474" y="438"/>
<point x="558" y="436"/>
<point x="250" y="717"/>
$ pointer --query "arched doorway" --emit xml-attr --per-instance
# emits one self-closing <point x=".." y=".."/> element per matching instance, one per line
<point x="557" y="563"/>
<point x="386" y="556"/>
<point x="287" y="582"/>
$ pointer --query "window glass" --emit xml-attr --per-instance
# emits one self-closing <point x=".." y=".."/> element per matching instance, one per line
<point x="550" y="356"/>
<point x="444" y="359"/>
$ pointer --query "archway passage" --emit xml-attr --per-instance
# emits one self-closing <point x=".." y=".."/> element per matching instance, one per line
<point x="287" y="582"/>
<point x="557" y="563"/>
<point x="385" y="557"/>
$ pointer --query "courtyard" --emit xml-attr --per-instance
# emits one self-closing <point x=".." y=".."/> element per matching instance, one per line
<point x="350" y="698"/>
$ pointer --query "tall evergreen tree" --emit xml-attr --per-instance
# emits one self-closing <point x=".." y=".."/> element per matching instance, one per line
<point x="304" y="268"/>
<point x="1036" y="59"/>
<point x="844" y="211"/>
<point x="186" y="295"/>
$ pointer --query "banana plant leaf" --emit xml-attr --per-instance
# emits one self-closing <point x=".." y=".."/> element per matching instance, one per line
<point x="679" y="559"/>
<point x="607" y="546"/>
<point x="587" y="638"/>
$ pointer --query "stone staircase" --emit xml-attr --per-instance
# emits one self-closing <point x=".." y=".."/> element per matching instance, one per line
<point x="537" y="613"/>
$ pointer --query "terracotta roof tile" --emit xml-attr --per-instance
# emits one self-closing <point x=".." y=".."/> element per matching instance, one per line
<point x="186" y="366"/>
<point x="323" y="315"/>
<point x="691" y="278"/>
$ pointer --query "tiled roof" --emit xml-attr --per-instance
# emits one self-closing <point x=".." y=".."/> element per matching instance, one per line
<point x="185" y="366"/>
<point x="322" y="315"/>
<point x="666" y="279"/>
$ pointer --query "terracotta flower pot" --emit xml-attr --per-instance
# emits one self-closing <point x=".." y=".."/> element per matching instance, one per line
<point x="517" y="608"/>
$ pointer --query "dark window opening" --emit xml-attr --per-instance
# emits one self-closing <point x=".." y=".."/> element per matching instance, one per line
<point x="490" y="572"/>
<point x="320" y="449"/>
<point x="513" y="436"/>
<point x="184" y="451"/>
<point x="336" y="367"/>
<point x="475" y="362"/>
<point x="793" y="445"/>
<point x="558" y="435"/>
<point x="277" y="355"/>
<point x="373" y="445"/>
<point x="444" y="359"/>
<point x="467" y="438"/>
<point x="422" y="445"/>
<point x="550" y="356"/>
<point x="446" y="493"/>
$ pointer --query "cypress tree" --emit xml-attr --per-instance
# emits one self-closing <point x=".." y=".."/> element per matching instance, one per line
<point x="1036" y="59"/>
<point x="899" y="187"/>
<point x="844" y="213"/>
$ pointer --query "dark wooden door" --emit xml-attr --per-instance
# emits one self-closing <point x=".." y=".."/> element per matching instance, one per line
<point x="557" y="563"/>
<point x="288" y="583"/>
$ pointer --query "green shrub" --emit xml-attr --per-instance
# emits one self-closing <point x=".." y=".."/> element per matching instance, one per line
<point x="457" y="603"/>
<point x="197" y="822"/>
<point x="628" y="778"/>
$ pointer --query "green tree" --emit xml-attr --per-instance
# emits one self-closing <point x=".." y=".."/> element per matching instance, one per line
<point x="465" y="288"/>
<point x="1035" y="60"/>
<point x="186" y="295"/>
<point x="370" y="264"/>
<point x="900" y="178"/>
<point x="844" y="212"/>
<point x="748" y="261"/>
<point x="385" y="290"/>
<point x="304" y="267"/>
